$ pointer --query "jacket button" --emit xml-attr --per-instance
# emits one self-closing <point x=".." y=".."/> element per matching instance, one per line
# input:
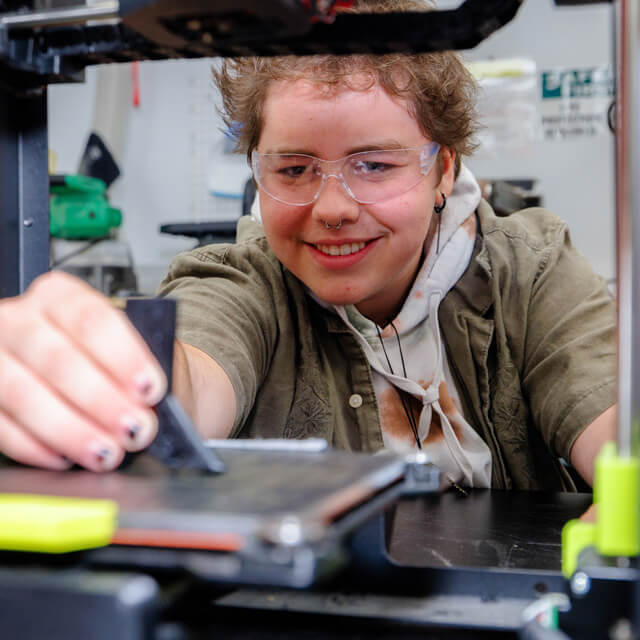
<point x="355" y="401"/>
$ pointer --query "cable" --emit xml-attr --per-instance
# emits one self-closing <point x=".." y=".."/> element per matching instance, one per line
<point x="410" y="417"/>
<point x="76" y="252"/>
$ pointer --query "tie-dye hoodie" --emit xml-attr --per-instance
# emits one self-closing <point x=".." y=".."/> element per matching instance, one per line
<point x="428" y="389"/>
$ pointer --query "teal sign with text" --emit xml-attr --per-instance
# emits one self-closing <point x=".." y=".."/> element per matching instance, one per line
<point x="577" y="83"/>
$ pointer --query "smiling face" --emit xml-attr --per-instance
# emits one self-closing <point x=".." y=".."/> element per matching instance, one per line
<point x="372" y="259"/>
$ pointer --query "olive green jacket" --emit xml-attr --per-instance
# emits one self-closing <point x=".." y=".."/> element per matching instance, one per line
<point x="529" y="332"/>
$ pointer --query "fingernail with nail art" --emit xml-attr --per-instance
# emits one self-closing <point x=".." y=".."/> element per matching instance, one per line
<point x="139" y="430"/>
<point x="103" y="456"/>
<point x="150" y="386"/>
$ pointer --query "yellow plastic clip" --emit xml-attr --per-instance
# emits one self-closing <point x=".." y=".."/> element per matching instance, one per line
<point x="52" y="524"/>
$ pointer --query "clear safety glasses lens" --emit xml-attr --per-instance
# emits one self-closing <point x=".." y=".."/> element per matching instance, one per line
<point x="368" y="177"/>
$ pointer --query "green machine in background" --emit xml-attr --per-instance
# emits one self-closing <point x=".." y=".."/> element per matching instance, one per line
<point x="79" y="208"/>
<point x="84" y="242"/>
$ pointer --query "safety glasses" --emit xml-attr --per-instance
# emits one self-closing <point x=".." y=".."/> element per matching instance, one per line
<point x="368" y="176"/>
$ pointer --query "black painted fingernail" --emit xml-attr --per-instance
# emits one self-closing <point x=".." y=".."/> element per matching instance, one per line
<point x="104" y="456"/>
<point x="145" y="387"/>
<point x="139" y="429"/>
<point x="150" y="386"/>
<point x="133" y="431"/>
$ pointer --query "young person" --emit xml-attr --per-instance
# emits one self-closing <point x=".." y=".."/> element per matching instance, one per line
<point x="373" y="299"/>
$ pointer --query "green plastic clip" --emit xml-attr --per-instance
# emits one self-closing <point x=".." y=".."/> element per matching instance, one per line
<point x="576" y="536"/>
<point x="616" y="494"/>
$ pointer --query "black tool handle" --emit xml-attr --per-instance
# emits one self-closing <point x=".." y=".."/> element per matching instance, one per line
<point x="155" y="320"/>
<point x="177" y="444"/>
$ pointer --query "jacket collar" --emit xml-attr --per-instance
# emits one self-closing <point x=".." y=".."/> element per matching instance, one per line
<point x="475" y="285"/>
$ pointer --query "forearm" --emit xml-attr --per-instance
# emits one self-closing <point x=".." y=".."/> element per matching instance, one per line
<point x="205" y="391"/>
<point x="588" y="443"/>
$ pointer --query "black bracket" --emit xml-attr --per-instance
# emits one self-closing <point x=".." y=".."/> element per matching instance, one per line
<point x="177" y="444"/>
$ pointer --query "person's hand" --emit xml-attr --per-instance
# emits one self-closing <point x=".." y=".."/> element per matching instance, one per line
<point x="591" y="514"/>
<point x="77" y="382"/>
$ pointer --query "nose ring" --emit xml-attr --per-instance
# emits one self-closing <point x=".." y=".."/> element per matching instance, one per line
<point x="335" y="227"/>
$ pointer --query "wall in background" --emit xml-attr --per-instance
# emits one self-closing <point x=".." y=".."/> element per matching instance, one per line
<point x="575" y="176"/>
<point x="173" y="156"/>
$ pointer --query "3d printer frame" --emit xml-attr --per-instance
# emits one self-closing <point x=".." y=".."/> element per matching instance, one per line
<point x="38" y="48"/>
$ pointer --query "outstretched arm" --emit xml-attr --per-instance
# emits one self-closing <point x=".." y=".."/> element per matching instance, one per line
<point x="78" y="383"/>
<point x="589" y="442"/>
<point x="204" y="390"/>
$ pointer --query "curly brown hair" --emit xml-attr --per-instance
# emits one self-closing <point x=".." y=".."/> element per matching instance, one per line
<point x="438" y="88"/>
